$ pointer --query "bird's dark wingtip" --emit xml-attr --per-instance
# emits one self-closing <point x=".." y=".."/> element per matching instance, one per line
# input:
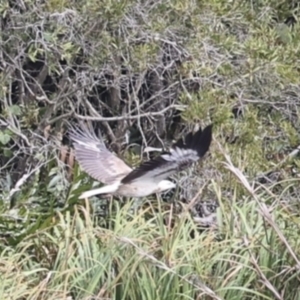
<point x="203" y="143"/>
<point x="207" y="131"/>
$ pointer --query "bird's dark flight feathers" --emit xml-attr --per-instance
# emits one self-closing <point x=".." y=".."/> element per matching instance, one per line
<point x="182" y="154"/>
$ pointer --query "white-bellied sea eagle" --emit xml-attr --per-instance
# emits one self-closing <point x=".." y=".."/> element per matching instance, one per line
<point x="148" y="178"/>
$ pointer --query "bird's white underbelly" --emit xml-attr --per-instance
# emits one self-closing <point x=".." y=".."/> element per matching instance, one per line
<point x="137" y="190"/>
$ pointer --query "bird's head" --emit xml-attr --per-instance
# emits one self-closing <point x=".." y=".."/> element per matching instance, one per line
<point x="165" y="185"/>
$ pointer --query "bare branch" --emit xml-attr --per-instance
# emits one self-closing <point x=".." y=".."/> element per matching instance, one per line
<point x="150" y="114"/>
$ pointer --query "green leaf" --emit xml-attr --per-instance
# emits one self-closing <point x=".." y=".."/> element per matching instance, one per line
<point x="4" y="137"/>
<point x="7" y="152"/>
<point x="283" y="33"/>
<point x="15" y="110"/>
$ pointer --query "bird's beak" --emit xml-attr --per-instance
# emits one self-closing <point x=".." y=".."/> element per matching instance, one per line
<point x="152" y="149"/>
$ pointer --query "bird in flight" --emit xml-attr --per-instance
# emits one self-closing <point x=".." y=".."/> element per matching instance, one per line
<point x="148" y="178"/>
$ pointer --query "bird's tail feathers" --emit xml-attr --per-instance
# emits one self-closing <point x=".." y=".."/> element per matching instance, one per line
<point x="108" y="189"/>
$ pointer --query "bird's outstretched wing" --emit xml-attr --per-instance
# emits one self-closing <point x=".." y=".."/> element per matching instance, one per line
<point x="183" y="153"/>
<point x="95" y="159"/>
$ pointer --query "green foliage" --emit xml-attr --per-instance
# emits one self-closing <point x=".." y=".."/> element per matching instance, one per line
<point x="5" y="137"/>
